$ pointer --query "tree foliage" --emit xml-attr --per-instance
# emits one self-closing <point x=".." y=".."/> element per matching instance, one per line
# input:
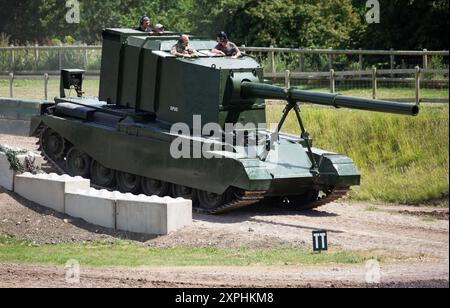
<point x="288" y="23"/>
<point x="405" y="24"/>
<point x="410" y="24"/>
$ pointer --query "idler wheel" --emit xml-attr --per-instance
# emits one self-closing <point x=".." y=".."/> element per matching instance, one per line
<point x="102" y="176"/>
<point x="210" y="201"/>
<point x="78" y="163"/>
<point x="53" y="144"/>
<point x="128" y="183"/>
<point x="152" y="187"/>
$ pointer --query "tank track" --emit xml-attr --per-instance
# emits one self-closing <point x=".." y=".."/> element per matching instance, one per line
<point x="39" y="133"/>
<point x="329" y="197"/>
<point x="238" y="201"/>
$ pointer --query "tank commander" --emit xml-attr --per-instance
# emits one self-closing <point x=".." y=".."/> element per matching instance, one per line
<point x="144" y="25"/>
<point x="225" y="48"/>
<point x="182" y="49"/>
<point x="159" y="29"/>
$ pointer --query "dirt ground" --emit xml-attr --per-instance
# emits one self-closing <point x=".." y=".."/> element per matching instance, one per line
<point x="418" y="234"/>
<point x="393" y="276"/>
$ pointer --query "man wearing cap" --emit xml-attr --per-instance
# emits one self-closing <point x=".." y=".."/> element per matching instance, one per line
<point x="182" y="49"/>
<point x="159" y="29"/>
<point x="225" y="48"/>
<point x="144" y="25"/>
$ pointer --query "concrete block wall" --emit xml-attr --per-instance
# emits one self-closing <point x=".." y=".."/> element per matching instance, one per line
<point x="48" y="189"/>
<point x="15" y="115"/>
<point x="97" y="207"/>
<point x="113" y="210"/>
<point x="7" y="175"/>
<point x="15" y="127"/>
<point x="153" y="215"/>
<point x="127" y="212"/>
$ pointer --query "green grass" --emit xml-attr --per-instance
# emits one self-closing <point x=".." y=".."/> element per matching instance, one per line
<point x="34" y="89"/>
<point x="372" y="209"/>
<point x="391" y="93"/>
<point x="428" y="219"/>
<point x="123" y="254"/>
<point x="402" y="159"/>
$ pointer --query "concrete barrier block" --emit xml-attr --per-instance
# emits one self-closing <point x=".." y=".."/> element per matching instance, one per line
<point x="7" y="175"/>
<point x="15" y="115"/>
<point x="152" y="215"/>
<point x="48" y="190"/>
<point x="19" y="109"/>
<point x="97" y="207"/>
<point x="15" y="127"/>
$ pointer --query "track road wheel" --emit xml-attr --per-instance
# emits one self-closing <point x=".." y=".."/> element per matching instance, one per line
<point x="102" y="176"/>
<point x="152" y="187"/>
<point x="210" y="201"/>
<point x="179" y="191"/>
<point x="52" y="144"/>
<point x="78" y="163"/>
<point x="128" y="183"/>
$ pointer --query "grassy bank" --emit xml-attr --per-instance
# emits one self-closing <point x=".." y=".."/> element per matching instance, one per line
<point x="131" y="255"/>
<point x="402" y="159"/>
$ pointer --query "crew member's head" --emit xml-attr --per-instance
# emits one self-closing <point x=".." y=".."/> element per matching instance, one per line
<point x="222" y="38"/>
<point x="159" y="28"/>
<point x="145" y="23"/>
<point x="184" y="40"/>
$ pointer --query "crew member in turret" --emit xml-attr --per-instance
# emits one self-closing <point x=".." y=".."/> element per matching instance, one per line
<point x="159" y="29"/>
<point x="145" y="25"/>
<point x="182" y="49"/>
<point x="225" y="48"/>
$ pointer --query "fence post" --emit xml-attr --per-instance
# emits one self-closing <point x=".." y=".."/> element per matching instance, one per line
<point x="13" y="59"/>
<point x="36" y="57"/>
<point x="60" y="57"/>
<point x="46" y="86"/>
<point x="11" y="85"/>
<point x="330" y="60"/>
<point x="374" y="83"/>
<point x="417" y="78"/>
<point x="425" y="60"/>
<point x="392" y="62"/>
<point x="85" y="57"/>
<point x="272" y="60"/>
<point x="332" y="81"/>
<point x="361" y="61"/>
<point x="302" y="62"/>
<point x="287" y="79"/>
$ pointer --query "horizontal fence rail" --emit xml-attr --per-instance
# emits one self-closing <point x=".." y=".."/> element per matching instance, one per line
<point x="331" y="51"/>
<point x="12" y="67"/>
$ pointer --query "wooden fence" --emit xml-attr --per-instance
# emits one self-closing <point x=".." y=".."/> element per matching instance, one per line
<point x="374" y="76"/>
<point x="332" y="53"/>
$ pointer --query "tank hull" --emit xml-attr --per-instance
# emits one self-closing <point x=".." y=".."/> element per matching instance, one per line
<point x="144" y="149"/>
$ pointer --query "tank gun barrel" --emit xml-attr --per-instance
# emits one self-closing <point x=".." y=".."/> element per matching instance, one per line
<point x="265" y="91"/>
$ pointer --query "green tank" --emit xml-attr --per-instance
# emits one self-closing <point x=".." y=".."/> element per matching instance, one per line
<point x="193" y="128"/>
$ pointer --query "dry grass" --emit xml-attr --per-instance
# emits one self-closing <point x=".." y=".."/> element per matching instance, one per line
<point x="402" y="159"/>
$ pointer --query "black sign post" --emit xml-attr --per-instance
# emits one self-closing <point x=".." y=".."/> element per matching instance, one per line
<point x="320" y="241"/>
